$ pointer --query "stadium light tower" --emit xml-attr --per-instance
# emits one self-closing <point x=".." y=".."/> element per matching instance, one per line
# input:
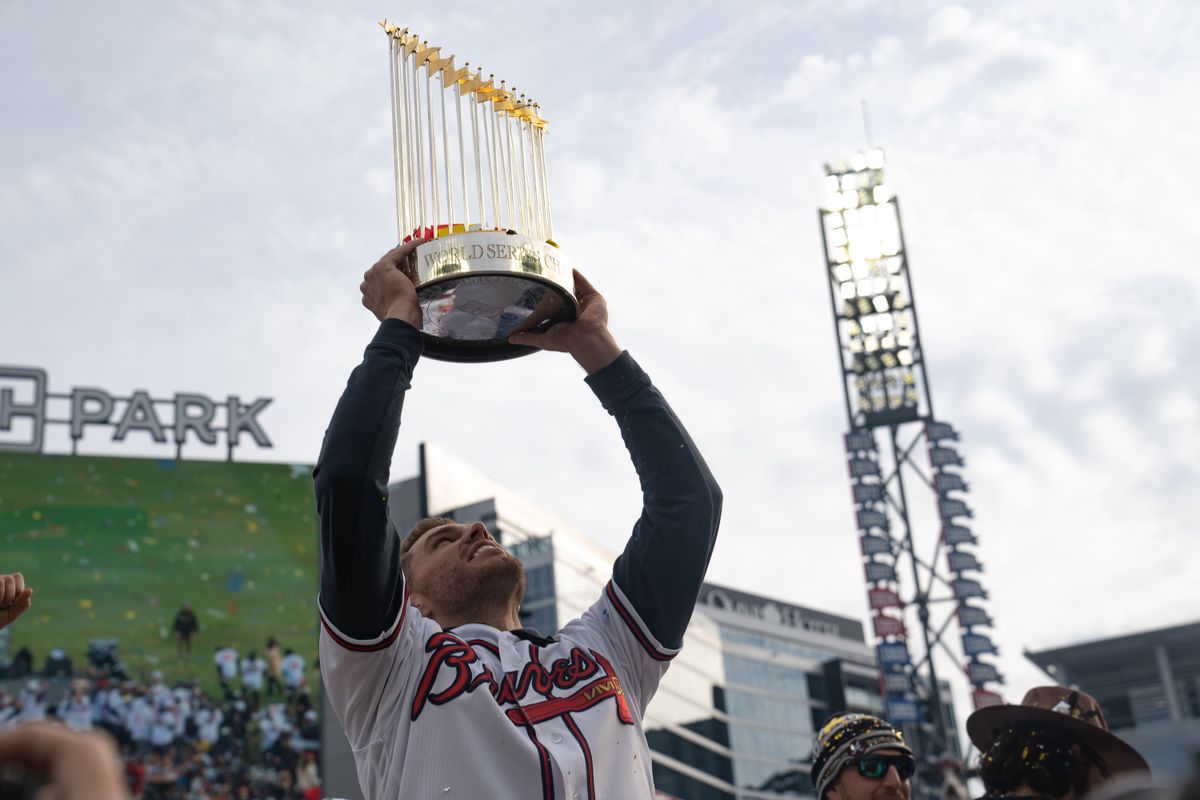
<point x="886" y="387"/>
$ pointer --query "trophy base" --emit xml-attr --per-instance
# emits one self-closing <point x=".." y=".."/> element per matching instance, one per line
<point x="479" y="287"/>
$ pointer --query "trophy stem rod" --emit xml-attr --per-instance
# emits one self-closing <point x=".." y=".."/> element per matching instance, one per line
<point x="418" y="156"/>
<point x="397" y="135"/>
<point x="412" y="187"/>
<point x="535" y="169"/>
<point x="535" y="206"/>
<point x="506" y="145"/>
<point x="415" y="202"/>
<point x="446" y="160"/>
<point x="462" y="158"/>
<point x="545" y="184"/>
<point x="514" y="187"/>
<point x="489" y="122"/>
<point x="478" y="167"/>
<point x="404" y="177"/>
<point x="537" y="183"/>
<point x="501" y="172"/>
<point x="527" y="211"/>
<point x="433" y="173"/>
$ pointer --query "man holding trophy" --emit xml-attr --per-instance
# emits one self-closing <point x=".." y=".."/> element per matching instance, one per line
<point x="439" y="689"/>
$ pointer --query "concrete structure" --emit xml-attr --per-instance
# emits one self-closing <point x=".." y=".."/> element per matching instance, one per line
<point x="1148" y="684"/>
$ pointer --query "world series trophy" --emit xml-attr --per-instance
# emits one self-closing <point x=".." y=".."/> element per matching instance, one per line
<point x="477" y="188"/>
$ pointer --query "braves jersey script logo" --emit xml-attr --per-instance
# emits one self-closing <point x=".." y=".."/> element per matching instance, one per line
<point x="455" y="656"/>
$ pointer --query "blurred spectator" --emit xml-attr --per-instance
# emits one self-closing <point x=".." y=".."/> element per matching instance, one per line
<point x="274" y="667"/>
<point x="102" y="655"/>
<point x="307" y="779"/>
<point x="135" y="774"/>
<point x="9" y="709"/>
<point x="32" y="701"/>
<point x="58" y="664"/>
<point x="157" y="690"/>
<point x="226" y="659"/>
<point x="185" y="627"/>
<point x="140" y="721"/>
<point x="161" y="777"/>
<point x="293" y="673"/>
<point x="22" y="664"/>
<point x="253" y="671"/>
<point x="75" y="709"/>
<point x="208" y="723"/>
<point x="113" y="709"/>
<point x="163" y="728"/>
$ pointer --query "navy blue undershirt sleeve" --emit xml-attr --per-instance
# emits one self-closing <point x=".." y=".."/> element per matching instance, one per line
<point x="664" y="562"/>
<point x="362" y="588"/>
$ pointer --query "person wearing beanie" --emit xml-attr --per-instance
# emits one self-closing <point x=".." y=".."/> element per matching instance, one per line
<point x="860" y="757"/>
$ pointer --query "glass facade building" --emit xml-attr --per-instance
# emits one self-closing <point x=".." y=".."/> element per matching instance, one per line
<point x="1148" y="684"/>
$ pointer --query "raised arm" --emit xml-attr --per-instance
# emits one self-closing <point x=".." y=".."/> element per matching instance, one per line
<point x="361" y="585"/>
<point x="664" y="562"/>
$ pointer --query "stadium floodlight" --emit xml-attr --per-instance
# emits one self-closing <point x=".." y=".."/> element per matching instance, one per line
<point x="887" y="392"/>
<point x="872" y="295"/>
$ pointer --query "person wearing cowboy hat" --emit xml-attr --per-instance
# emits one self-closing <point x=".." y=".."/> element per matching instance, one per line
<point x="1055" y="744"/>
<point x="860" y="757"/>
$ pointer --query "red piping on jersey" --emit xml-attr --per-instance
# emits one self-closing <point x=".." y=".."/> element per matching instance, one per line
<point x="587" y="755"/>
<point x="382" y="644"/>
<point x="638" y="634"/>
<point x="485" y="644"/>
<point x="544" y="757"/>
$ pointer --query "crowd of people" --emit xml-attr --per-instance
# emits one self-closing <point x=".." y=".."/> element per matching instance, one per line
<point x="257" y="736"/>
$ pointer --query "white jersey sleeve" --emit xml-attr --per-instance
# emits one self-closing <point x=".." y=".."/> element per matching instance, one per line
<point x="366" y="679"/>
<point x="611" y="626"/>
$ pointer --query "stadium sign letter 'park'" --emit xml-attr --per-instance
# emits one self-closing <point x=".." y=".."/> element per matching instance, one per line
<point x="27" y="407"/>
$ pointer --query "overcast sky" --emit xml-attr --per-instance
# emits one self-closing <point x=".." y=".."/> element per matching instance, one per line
<point x="190" y="192"/>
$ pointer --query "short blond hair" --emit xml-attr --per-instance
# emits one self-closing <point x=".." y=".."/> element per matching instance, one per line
<point x="422" y="527"/>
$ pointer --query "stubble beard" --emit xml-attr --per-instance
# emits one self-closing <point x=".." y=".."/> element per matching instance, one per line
<point x="476" y="592"/>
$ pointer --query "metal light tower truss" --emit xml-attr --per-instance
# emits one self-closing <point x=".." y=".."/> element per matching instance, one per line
<point x="887" y="396"/>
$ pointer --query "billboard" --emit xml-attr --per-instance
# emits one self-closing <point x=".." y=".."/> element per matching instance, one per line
<point x="114" y="548"/>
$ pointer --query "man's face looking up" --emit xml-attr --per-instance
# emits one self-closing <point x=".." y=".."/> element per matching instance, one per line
<point x="459" y="573"/>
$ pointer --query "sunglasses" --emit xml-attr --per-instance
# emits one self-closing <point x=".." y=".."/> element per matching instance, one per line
<point x="876" y="767"/>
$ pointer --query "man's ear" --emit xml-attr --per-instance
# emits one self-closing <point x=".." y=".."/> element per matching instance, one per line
<point x="420" y="603"/>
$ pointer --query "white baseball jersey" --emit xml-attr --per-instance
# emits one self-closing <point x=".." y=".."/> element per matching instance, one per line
<point x="253" y="670"/>
<point x="208" y="724"/>
<point x="76" y="712"/>
<point x="227" y="661"/>
<point x="293" y="670"/>
<point x="162" y="732"/>
<point x="160" y="695"/>
<point x="140" y="719"/>
<point x="33" y="706"/>
<point x="487" y="713"/>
